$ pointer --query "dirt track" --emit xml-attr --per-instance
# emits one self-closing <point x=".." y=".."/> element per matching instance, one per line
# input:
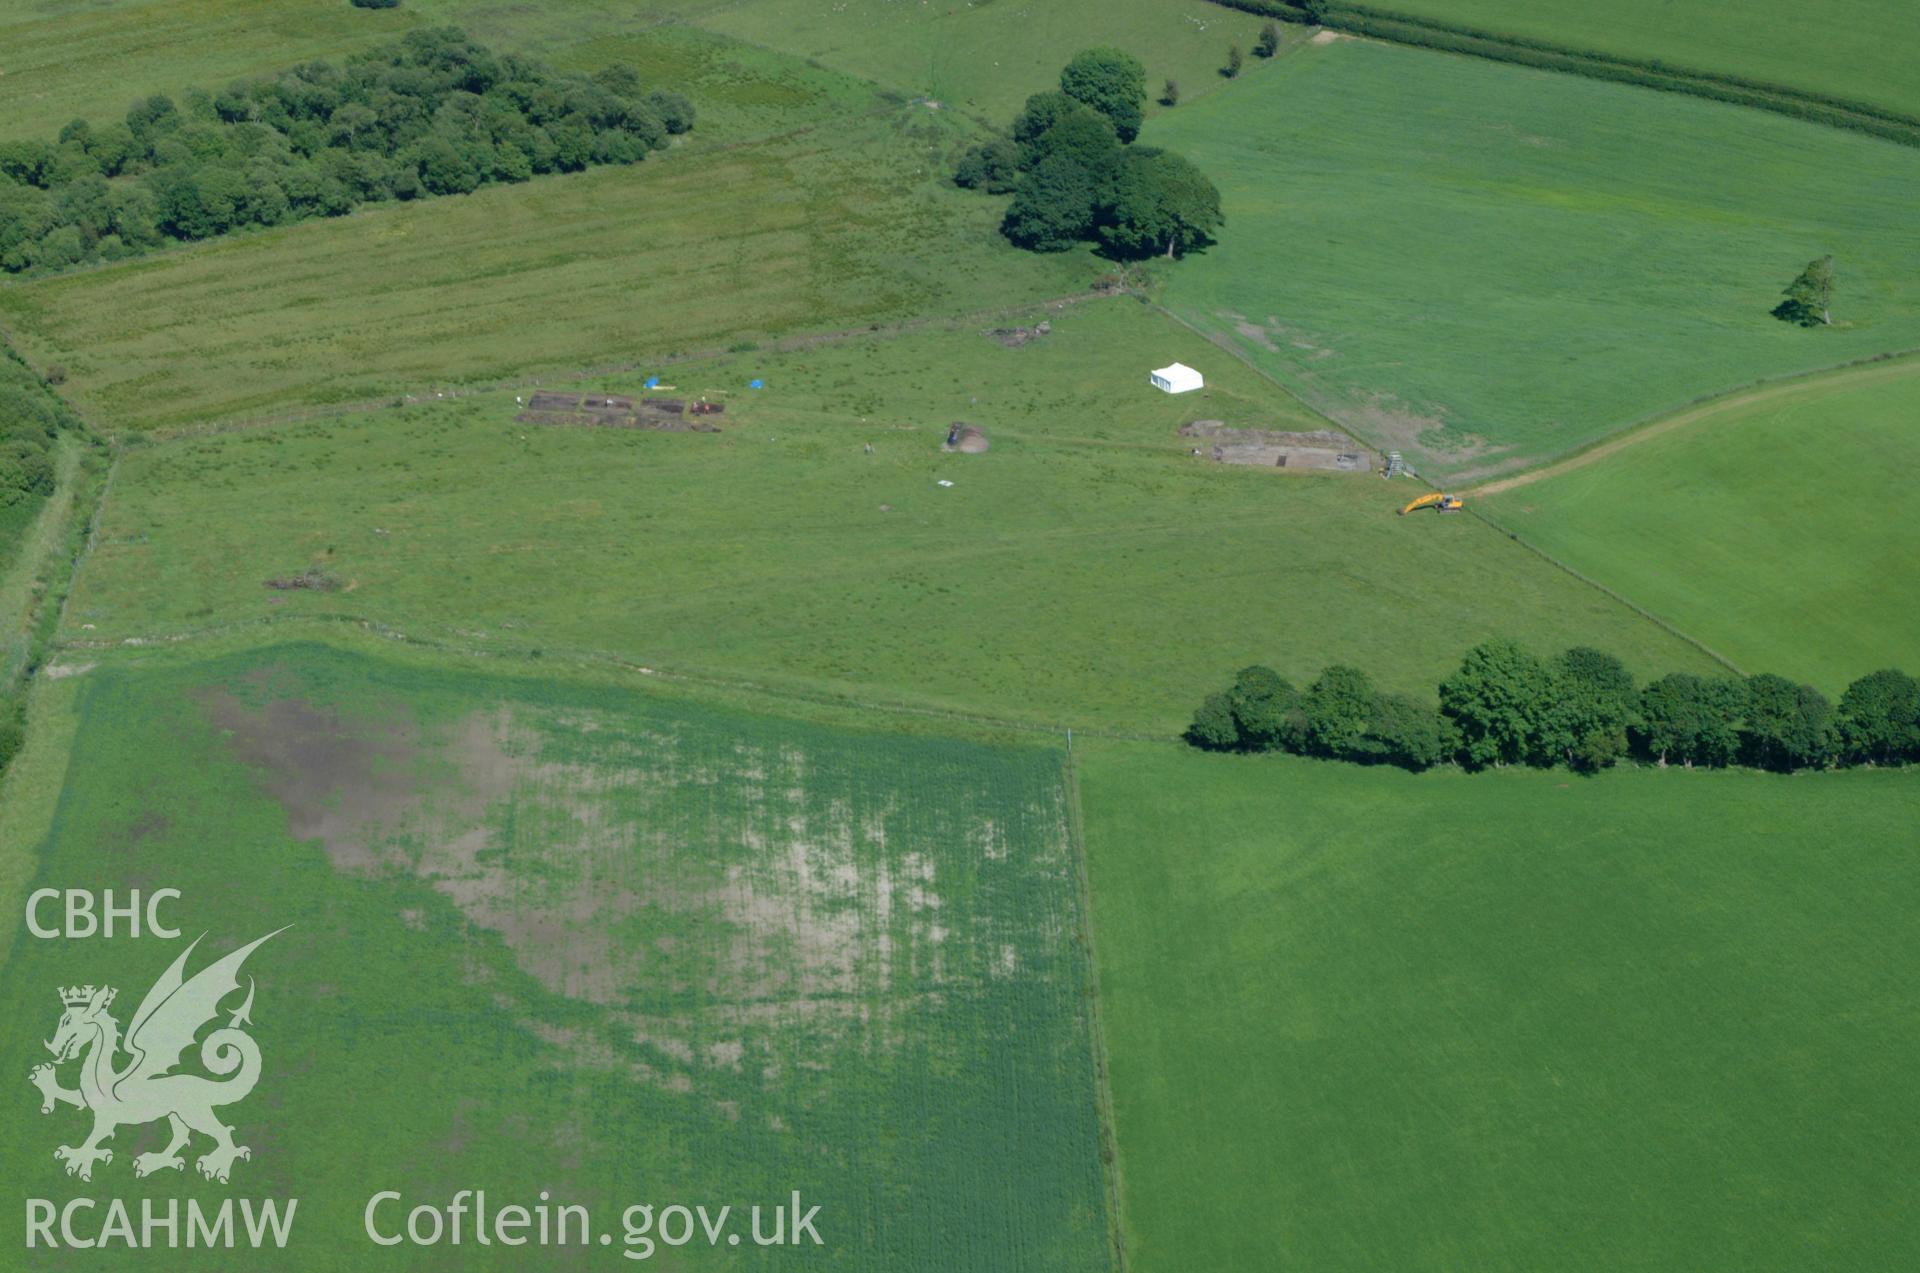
<point x="1817" y="382"/>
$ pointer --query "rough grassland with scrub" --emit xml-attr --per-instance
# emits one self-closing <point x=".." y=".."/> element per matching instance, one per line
<point x="1506" y="1021"/>
<point x="1779" y="531"/>
<point x="87" y="60"/>
<point x="1484" y="265"/>
<point x="624" y="949"/>
<point x="836" y="227"/>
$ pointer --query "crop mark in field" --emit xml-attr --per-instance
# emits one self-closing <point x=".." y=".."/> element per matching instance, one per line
<point x="1269" y="334"/>
<point x="336" y="780"/>
<point x="729" y="915"/>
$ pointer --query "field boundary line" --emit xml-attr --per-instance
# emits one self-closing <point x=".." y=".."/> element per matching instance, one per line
<point x="1439" y="35"/>
<point x="1488" y="522"/>
<point x="605" y="660"/>
<point x="38" y="543"/>
<point x="1110" y="1169"/>
<point x="1228" y="347"/>
<point x="1596" y="585"/>
<point x="1889" y="365"/>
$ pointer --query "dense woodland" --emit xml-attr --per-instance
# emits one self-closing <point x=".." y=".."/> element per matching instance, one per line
<point x="1076" y="176"/>
<point x="1506" y="706"/>
<point x="431" y="114"/>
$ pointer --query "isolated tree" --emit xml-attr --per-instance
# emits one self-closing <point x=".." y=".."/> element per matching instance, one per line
<point x="1879" y="719"/>
<point x="1786" y="724"/>
<point x="1170" y="93"/>
<point x="1808" y="300"/>
<point x="1496" y="700"/>
<point x="1160" y="205"/>
<point x="1234" y="61"/>
<point x="1074" y="177"/>
<point x="1269" y="42"/>
<point x="1111" y="82"/>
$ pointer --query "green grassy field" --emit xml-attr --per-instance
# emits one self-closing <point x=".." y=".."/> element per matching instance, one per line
<point x="837" y="227"/>
<point x="682" y="817"/>
<point x="1086" y="571"/>
<point x="1774" y="531"/>
<point x="90" y="60"/>
<point x="1483" y="265"/>
<point x="1359" y="1019"/>
<point x="579" y="939"/>
<point x="72" y="60"/>
<point x="986" y="58"/>
<point x="1857" y="50"/>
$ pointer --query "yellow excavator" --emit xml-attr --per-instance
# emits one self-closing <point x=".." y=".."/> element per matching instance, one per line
<point x="1437" y="502"/>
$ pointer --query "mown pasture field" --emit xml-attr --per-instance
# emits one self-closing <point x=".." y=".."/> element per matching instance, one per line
<point x="1086" y="571"/>
<point x="1505" y="1021"/>
<point x="1856" y="50"/>
<point x="571" y="937"/>
<point x="987" y="58"/>
<point x="1484" y="265"/>
<point x="1773" y="529"/>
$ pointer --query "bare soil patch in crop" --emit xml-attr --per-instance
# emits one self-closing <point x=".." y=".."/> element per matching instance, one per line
<point x="338" y="780"/>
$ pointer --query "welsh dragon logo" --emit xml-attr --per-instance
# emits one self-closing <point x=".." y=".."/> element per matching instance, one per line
<point x="146" y="1088"/>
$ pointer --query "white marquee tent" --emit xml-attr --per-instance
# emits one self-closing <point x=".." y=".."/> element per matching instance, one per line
<point x="1178" y="378"/>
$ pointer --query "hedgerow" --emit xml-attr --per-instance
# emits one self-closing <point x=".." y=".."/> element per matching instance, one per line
<point x="1422" y="32"/>
<point x="1581" y="709"/>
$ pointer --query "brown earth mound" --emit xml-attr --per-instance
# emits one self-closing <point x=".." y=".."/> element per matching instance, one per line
<point x="966" y="439"/>
<point x="1014" y="337"/>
